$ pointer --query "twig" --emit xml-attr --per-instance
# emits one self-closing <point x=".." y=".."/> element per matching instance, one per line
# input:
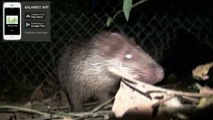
<point x="94" y="112"/>
<point x="190" y="99"/>
<point x="43" y="115"/>
<point x="25" y="110"/>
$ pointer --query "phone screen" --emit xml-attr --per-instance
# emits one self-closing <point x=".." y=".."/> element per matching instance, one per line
<point x="12" y="19"/>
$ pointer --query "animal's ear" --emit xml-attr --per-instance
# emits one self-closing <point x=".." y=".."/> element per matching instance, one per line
<point x="123" y="36"/>
<point x="116" y="35"/>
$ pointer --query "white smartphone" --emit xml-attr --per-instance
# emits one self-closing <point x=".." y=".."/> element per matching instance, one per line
<point x="12" y="21"/>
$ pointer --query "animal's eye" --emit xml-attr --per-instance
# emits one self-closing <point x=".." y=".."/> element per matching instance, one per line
<point x="128" y="56"/>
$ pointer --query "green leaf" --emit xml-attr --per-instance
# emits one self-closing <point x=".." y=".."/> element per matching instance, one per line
<point x="109" y="21"/>
<point x="127" y="5"/>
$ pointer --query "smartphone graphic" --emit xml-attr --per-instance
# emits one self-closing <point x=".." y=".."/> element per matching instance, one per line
<point x="12" y="21"/>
